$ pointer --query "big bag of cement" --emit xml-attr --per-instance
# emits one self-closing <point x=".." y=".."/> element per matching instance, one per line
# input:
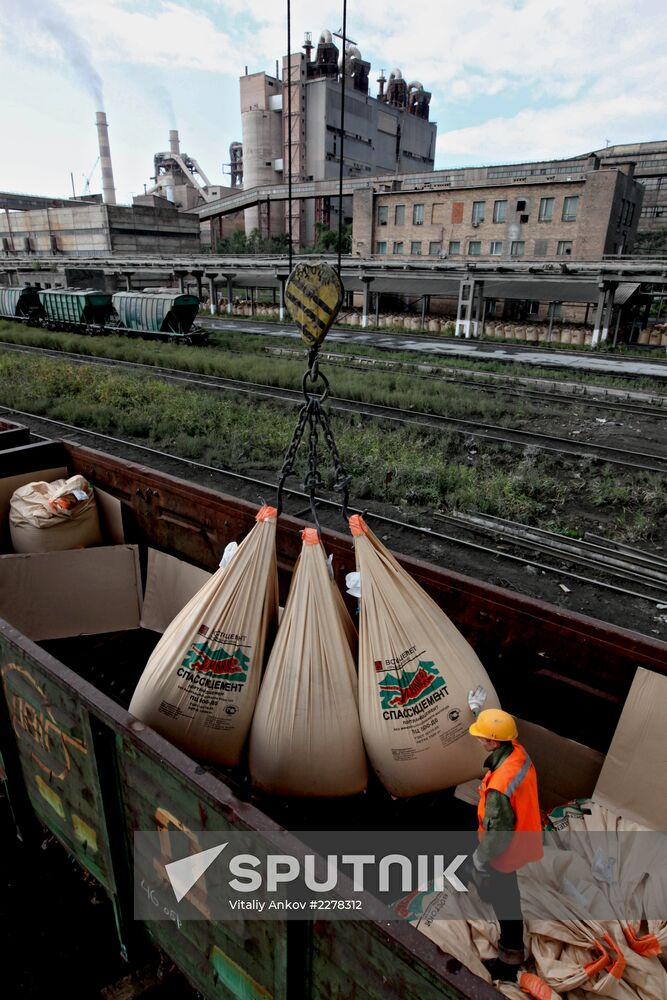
<point x="200" y="685"/>
<point x="415" y="671"/>
<point x="306" y="738"/>
<point x="50" y="517"/>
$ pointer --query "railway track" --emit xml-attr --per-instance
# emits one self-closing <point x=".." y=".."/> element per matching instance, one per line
<point x="620" y="401"/>
<point x="641" y="461"/>
<point x="485" y="350"/>
<point x="568" y="566"/>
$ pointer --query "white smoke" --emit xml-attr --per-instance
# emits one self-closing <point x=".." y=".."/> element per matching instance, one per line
<point x="45" y="17"/>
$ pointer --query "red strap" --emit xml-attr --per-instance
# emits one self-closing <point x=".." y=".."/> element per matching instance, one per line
<point x="618" y="968"/>
<point x="534" y="986"/>
<point x="647" y="945"/>
<point x="600" y="964"/>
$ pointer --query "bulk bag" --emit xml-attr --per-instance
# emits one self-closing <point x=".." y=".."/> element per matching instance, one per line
<point x="415" y="671"/>
<point x="306" y="738"/>
<point x="50" y="517"/>
<point x="200" y="685"/>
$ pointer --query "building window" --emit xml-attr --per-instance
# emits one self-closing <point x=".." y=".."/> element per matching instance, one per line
<point x="546" y="212"/>
<point x="398" y="247"/>
<point x="521" y="205"/>
<point x="564" y="248"/>
<point x="474" y="248"/>
<point x="499" y="211"/>
<point x="383" y="215"/>
<point x="570" y="208"/>
<point x="434" y="248"/>
<point x="418" y="215"/>
<point x="496" y="248"/>
<point x="381" y="247"/>
<point x="416" y="248"/>
<point x="541" y="248"/>
<point x="454" y="248"/>
<point x="517" y="248"/>
<point x="399" y="215"/>
<point x="478" y="212"/>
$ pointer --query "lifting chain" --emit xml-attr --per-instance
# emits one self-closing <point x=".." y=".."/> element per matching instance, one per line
<point x="313" y="418"/>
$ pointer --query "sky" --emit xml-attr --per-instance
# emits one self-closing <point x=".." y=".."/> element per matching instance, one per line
<point x="511" y="80"/>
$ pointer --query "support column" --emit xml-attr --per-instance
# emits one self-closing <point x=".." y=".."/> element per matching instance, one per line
<point x="128" y="280"/>
<point x="229" y="278"/>
<point x="479" y="309"/>
<point x="423" y="315"/>
<point x="198" y="275"/>
<point x="180" y="276"/>
<point x="212" y="292"/>
<point x="367" y="297"/>
<point x="282" y="278"/>
<point x="466" y="323"/>
<point x="253" y="296"/>
<point x="378" y="296"/>
<point x="606" y="291"/>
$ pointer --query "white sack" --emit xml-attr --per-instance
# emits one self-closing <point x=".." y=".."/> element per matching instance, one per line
<point x="50" y="517"/>
<point x="306" y="738"/>
<point x="415" y="671"/>
<point x="200" y="685"/>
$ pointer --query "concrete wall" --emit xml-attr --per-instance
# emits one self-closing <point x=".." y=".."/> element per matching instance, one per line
<point x="101" y="229"/>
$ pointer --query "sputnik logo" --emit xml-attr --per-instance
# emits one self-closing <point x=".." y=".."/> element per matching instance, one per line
<point x="184" y="873"/>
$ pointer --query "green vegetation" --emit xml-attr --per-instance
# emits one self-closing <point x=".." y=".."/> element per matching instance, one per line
<point x="238" y="244"/>
<point x="404" y="467"/>
<point x="226" y="344"/>
<point x="327" y="240"/>
<point x="651" y="244"/>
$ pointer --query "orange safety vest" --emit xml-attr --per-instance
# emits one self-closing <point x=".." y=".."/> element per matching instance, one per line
<point x="517" y="779"/>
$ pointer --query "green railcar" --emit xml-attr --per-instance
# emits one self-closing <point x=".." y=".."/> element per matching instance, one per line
<point x="159" y="314"/>
<point x="20" y="303"/>
<point x="68" y="307"/>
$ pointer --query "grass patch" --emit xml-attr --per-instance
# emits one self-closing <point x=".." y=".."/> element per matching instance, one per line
<point x="410" y="468"/>
<point x="235" y="354"/>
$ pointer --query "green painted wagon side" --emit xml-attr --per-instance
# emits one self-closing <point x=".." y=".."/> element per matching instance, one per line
<point x="156" y="312"/>
<point x="78" y="307"/>
<point x="55" y="748"/>
<point x="18" y="302"/>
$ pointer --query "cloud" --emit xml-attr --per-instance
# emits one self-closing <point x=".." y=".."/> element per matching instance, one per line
<point x="166" y="34"/>
<point x="49" y="24"/>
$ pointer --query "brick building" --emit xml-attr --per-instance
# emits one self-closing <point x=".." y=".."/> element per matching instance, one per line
<point x="583" y="215"/>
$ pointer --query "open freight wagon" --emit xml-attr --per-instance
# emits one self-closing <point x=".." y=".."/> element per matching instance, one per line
<point x="83" y="624"/>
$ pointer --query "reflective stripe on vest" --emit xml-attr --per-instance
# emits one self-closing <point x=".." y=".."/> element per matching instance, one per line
<point x="516" y="778"/>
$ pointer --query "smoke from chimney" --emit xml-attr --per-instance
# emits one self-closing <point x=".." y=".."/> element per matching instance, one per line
<point x="108" y="189"/>
<point x="47" y="18"/>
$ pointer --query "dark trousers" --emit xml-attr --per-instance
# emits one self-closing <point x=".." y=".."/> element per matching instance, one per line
<point x="501" y="890"/>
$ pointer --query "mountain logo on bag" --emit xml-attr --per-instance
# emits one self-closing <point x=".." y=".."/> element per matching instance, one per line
<point x="203" y="659"/>
<point x="412" y="687"/>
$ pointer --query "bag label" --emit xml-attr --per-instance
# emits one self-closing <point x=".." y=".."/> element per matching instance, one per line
<point x="213" y="674"/>
<point x="405" y="692"/>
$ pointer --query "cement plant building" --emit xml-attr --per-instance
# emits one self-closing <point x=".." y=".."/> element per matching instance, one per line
<point x="387" y="134"/>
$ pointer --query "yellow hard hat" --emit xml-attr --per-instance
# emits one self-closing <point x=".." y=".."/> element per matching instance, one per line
<point x="494" y="724"/>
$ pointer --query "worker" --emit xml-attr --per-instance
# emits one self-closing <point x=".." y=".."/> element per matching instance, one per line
<point x="510" y="827"/>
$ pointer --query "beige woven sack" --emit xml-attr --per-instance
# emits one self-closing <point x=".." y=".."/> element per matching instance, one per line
<point x="306" y="738"/>
<point x="50" y="517"/>
<point x="200" y="685"/>
<point x="415" y="671"/>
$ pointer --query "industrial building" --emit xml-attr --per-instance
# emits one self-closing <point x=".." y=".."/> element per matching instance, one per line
<point x="89" y="230"/>
<point x="556" y="213"/>
<point x="390" y="133"/>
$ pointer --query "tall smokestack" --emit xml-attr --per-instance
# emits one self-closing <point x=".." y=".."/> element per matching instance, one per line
<point x="108" y="189"/>
<point x="174" y="144"/>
